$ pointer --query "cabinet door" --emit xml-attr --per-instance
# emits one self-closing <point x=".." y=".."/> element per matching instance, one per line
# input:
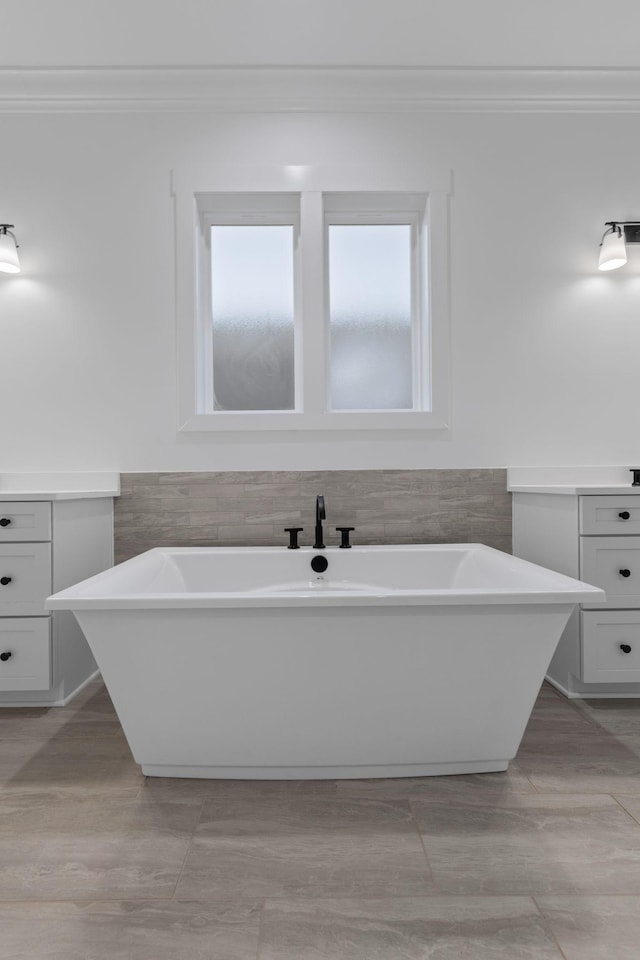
<point x="25" y="653"/>
<point x="25" y="578"/>
<point x="21" y="521"/>
<point x="612" y="563"/>
<point x="611" y="646"/>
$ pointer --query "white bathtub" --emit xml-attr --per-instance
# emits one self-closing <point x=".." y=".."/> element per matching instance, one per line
<point x="398" y="661"/>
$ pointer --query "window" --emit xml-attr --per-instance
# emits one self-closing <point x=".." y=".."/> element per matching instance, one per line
<point x="252" y="349"/>
<point x="370" y="316"/>
<point x="312" y="298"/>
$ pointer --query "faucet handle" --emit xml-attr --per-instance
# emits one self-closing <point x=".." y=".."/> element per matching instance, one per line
<point x="293" y="537"/>
<point x="345" y="531"/>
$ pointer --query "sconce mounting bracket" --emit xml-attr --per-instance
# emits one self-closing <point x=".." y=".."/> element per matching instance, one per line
<point x="631" y="229"/>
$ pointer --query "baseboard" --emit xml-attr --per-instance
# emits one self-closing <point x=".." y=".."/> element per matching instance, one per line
<point x="52" y="703"/>
<point x="611" y="694"/>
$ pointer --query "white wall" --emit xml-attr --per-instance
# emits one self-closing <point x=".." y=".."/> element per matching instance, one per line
<point x="545" y="350"/>
<point x="42" y="33"/>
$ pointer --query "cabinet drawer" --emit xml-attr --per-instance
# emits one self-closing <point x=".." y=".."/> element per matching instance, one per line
<point x="610" y="516"/>
<point x="24" y="521"/>
<point x="611" y="646"/>
<point x="25" y="569"/>
<point x="28" y="666"/>
<point x="612" y="563"/>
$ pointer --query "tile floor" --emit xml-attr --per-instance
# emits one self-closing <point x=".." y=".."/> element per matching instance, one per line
<point x="538" y="863"/>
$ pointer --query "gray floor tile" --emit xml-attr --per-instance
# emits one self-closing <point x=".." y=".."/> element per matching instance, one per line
<point x="29" y="758"/>
<point x="45" y="727"/>
<point x="594" y="928"/>
<point x="547" y="715"/>
<point x="512" y="780"/>
<point x="94" y="765"/>
<point x="582" y="774"/>
<point x="92" y="848"/>
<point x="91" y="706"/>
<point x="304" y="847"/>
<point x="563" y="741"/>
<point x="78" y="764"/>
<point x="616" y="716"/>
<point x="547" y="690"/>
<point x="157" y="930"/>
<point x="526" y="867"/>
<point x="438" y="928"/>
<point x="92" y="818"/>
<point x="111" y="869"/>
<point x="168" y="788"/>
<point x="630" y="803"/>
<point x="68" y="793"/>
<point x="531" y="845"/>
<point x="630" y="742"/>
<point x="522" y="814"/>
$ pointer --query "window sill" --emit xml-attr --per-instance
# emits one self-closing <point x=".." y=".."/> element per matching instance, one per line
<point x="284" y="420"/>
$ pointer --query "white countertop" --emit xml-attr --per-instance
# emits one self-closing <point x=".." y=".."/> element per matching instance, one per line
<point x="58" y="486"/>
<point x="575" y="489"/>
<point x="573" y="481"/>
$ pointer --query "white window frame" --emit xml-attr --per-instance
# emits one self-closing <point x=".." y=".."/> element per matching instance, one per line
<point x="193" y="187"/>
<point x="382" y="209"/>
<point x="238" y="210"/>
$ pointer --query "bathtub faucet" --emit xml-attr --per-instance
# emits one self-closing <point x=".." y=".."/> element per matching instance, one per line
<point x="320" y="516"/>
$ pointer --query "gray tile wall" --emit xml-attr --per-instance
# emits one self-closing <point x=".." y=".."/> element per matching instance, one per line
<point x="385" y="506"/>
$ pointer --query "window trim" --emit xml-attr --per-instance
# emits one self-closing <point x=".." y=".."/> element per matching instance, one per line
<point x="192" y="185"/>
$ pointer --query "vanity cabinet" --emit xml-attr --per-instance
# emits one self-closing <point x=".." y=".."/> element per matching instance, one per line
<point x="45" y="546"/>
<point x="594" y="537"/>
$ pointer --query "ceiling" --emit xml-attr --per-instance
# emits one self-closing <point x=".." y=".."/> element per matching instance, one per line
<point x="324" y="33"/>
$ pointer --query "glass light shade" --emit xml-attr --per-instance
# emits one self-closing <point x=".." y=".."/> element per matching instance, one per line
<point x="613" y="250"/>
<point x="9" y="262"/>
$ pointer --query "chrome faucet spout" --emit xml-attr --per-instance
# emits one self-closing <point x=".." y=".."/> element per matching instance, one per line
<point x="320" y="516"/>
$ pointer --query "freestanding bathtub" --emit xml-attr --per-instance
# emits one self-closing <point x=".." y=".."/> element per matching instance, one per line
<point x="397" y="661"/>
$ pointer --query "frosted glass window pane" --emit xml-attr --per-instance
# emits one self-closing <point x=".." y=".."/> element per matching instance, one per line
<point x="252" y="316"/>
<point x="370" y="316"/>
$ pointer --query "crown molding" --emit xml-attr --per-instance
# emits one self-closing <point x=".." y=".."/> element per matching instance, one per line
<point x="315" y="89"/>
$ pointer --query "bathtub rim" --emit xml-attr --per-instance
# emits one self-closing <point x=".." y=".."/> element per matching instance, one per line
<point x="568" y="590"/>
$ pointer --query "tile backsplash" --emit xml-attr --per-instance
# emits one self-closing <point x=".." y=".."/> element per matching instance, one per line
<point x="253" y="507"/>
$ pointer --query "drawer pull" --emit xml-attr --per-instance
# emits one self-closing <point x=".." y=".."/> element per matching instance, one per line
<point x="5" y="656"/>
<point x="623" y="573"/>
<point x="5" y="580"/>
<point x="625" y="647"/>
<point x="624" y="514"/>
<point x="4" y="521"/>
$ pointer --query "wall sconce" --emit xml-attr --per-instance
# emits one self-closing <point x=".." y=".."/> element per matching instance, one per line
<point x="613" y="246"/>
<point x="9" y="262"/>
